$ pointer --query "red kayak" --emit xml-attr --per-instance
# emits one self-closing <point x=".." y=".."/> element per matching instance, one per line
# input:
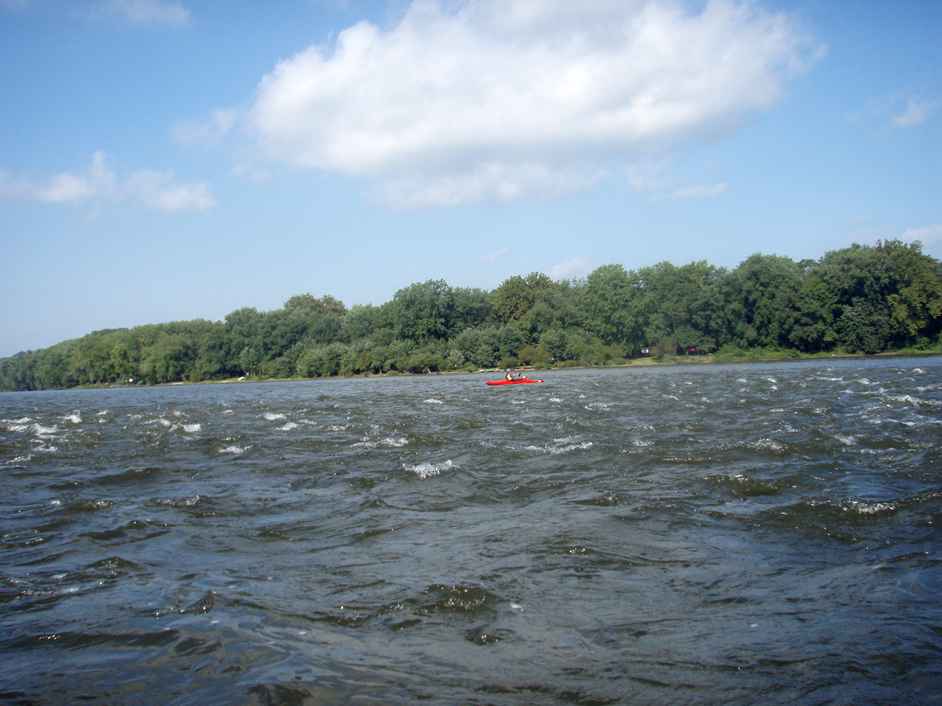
<point x="520" y="381"/>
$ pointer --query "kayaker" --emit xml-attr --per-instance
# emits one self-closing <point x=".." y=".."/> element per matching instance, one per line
<point x="508" y="375"/>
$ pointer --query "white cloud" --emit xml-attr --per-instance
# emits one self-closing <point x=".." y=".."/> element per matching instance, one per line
<point x="701" y="191"/>
<point x="571" y="269"/>
<point x="210" y="130"/>
<point x="148" y="11"/>
<point x="156" y="190"/>
<point x="926" y="234"/>
<point x="499" y="99"/>
<point x="915" y="113"/>
<point x="493" y="257"/>
<point x="159" y="191"/>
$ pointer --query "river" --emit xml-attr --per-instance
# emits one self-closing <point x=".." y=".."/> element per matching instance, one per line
<point x="691" y="534"/>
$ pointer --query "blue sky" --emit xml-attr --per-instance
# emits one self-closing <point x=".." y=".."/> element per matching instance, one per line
<point x="176" y="159"/>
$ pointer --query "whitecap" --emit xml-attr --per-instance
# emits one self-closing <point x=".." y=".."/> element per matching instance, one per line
<point x="102" y="413"/>
<point x="767" y="444"/>
<point x="914" y="401"/>
<point x="598" y="406"/>
<point x="19" y="459"/>
<point x="44" y="432"/>
<point x="865" y="508"/>
<point x="518" y="402"/>
<point x="165" y="422"/>
<point x="919" y="371"/>
<point x="21" y="420"/>
<point x="288" y="426"/>
<point x="582" y="445"/>
<point x="555" y="399"/>
<point x="433" y="401"/>
<point x="561" y="446"/>
<point x="427" y="469"/>
<point x="395" y="442"/>
<point x="40" y="447"/>
<point x="273" y="416"/>
<point x="337" y="427"/>
<point x="772" y="380"/>
<point x="741" y="381"/>
<point x="192" y="428"/>
<point x="227" y="412"/>
<point x="846" y="439"/>
<point x="642" y="443"/>
<point x="236" y="450"/>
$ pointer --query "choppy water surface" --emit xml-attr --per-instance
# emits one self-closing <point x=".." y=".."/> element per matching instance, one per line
<point x="714" y="534"/>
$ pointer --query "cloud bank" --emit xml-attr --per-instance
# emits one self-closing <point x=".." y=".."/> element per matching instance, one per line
<point x="152" y="189"/>
<point x="500" y="99"/>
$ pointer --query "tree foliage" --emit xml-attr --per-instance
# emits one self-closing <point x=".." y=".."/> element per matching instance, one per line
<point x="864" y="299"/>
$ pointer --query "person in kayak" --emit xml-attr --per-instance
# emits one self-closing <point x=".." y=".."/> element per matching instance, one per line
<point x="512" y="374"/>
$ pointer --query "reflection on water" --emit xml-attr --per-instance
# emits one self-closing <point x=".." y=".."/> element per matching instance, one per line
<point x="724" y="534"/>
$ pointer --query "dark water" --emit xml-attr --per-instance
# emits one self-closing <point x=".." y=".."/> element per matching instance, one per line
<point x="714" y="534"/>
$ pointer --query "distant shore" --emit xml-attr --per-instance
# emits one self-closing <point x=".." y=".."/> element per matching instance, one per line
<point x="647" y="361"/>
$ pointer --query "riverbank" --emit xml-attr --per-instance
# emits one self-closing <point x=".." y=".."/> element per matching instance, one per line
<point x="756" y="356"/>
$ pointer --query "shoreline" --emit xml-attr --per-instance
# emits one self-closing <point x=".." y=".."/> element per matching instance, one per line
<point x="652" y="361"/>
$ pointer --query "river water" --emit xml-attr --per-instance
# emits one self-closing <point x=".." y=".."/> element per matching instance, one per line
<point x="690" y="534"/>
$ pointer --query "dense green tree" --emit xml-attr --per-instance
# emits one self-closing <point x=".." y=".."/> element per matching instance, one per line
<point x="860" y="299"/>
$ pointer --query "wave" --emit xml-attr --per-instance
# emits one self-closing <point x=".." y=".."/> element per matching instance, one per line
<point x="562" y="445"/>
<point x="428" y="469"/>
<point x="234" y="450"/>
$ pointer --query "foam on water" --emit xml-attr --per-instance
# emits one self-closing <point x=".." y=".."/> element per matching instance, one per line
<point x="288" y="426"/>
<point x="598" y="406"/>
<point x="914" y="401"/>
<point x="192" y="428"/>
<point x="235" y="450"/>
<point x="21" y="420"/>
<point x="74" y="418"/>
<point x="432" y="400"/>
<point x="273" y="416"/>
<point x="44" y="432"/>
<point x="561" y="446"/>
<point x="428" y="469"/>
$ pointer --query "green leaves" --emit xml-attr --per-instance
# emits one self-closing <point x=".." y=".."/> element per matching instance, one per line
<point x="860" y="299"/>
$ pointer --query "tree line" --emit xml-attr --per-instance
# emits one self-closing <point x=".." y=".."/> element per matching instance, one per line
<point x="861" y="299"/>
